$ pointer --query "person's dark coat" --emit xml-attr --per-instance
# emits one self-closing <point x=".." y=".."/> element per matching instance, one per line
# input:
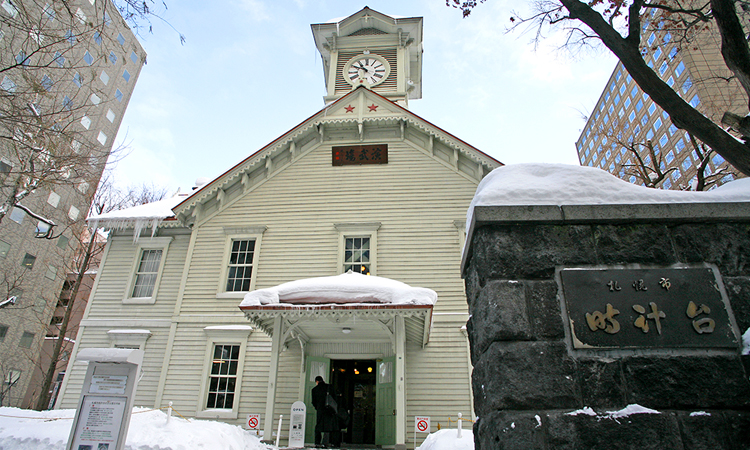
<point x="326" y="418"/>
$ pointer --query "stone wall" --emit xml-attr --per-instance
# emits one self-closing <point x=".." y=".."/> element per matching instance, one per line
<point x="533" y="390"/>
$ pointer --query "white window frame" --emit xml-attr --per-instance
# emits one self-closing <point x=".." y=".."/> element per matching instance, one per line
<point x="222" y="335"/>
<point x="238" y="234"/>
<point x="356" y="230"/>
<point x="128" y="338"/>
<point x="157" y="243"/>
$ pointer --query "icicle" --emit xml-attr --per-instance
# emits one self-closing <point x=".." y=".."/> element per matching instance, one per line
<point x="121" y="224"/>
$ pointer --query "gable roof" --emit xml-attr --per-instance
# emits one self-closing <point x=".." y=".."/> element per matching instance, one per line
<point x="359" y="107"/>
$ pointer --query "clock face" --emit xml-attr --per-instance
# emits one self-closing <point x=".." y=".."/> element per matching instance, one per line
<point x="366" y="68"/>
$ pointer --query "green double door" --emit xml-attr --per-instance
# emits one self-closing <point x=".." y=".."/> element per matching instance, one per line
<point x="385" y="398"/>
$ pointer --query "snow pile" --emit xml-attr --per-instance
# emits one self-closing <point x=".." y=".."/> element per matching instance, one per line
<point x="447" y="439"/>
<point x="22" y="429"/>
<point x="344" y="288"/>
<point x="562" y="184"/>
<point x="629" y="410"/>
<point x="586" y="411"/>
<point x="625" y="412"/>
<point x="746" y="342"/>
<point x="139" y="217"/>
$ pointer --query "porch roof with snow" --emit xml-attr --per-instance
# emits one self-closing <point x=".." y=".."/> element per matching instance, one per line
<point x="345" y="307"/>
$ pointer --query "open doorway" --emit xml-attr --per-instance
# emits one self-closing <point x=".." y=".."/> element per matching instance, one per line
<point x="354" y="381"/>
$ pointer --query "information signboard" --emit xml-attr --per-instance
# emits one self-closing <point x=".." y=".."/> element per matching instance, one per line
<point x="297" y="425"/>
<point x="99" y="424"/>
<point x="103" y="413"/>
<point x="613" y="308"/>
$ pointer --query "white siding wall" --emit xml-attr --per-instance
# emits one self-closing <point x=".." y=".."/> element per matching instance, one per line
<point x="437" y="377"/>
<point x="415" y="198"/>
<point x="113" y="281"/>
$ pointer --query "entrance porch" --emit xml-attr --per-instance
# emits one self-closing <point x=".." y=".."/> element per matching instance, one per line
<point x="359" y="349"/>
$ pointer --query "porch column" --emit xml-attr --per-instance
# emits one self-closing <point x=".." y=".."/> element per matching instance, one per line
<point x="400" y="333"/>
<point x="272" y="376"/>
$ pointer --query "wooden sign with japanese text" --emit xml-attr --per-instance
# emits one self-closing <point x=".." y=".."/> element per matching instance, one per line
<point x="355" y="155"/>
<point x="646" y="308"/>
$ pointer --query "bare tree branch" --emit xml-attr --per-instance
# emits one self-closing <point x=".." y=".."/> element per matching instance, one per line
<point x="602" y="18"/>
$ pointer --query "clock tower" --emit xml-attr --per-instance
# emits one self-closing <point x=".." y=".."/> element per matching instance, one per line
<point x="371" y="49"/>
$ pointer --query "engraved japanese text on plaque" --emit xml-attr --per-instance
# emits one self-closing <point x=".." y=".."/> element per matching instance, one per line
<point x="646" y="308"/>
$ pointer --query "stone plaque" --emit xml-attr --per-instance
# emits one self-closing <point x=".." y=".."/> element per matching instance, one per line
<point x="646" y="308"/>
<point x="355" y="155"/>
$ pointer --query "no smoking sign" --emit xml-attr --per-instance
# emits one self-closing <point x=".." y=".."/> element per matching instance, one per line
<point x="422" y="424"/>
<point x="252" y="421"/>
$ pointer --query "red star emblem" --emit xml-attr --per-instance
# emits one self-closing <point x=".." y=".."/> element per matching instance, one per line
<point x="373" y="107"/>
<point x="349" y="108"/>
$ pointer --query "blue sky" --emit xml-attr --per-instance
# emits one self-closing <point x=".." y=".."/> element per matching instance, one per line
<point x="249" y="71"/>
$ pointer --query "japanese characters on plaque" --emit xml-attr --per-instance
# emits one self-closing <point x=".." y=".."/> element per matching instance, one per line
<point x="646" y="308"/>
<point x="355" y="155"/>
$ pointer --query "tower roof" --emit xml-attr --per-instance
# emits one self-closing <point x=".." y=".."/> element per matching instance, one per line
<point x="370" y="22"/>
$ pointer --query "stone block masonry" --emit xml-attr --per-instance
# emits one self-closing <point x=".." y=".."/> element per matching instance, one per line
<point x="534" y="389"/>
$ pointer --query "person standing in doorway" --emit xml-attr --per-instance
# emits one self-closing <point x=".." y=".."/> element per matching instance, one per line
<point x="325" y="417"/>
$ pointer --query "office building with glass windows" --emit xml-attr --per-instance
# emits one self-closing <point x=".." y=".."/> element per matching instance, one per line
<point x="624" y="114"/>
<point x="69" y="69"/>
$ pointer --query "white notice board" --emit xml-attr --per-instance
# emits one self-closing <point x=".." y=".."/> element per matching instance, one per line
<point x="99" y="424"/>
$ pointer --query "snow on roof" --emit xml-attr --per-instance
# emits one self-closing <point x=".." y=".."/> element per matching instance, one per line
<point x="562" y="184"/>
<point x="129" y="332"/>
<point x="229" y="328"/>
<point x="344" y="288"/>
<point x="139" y="217"/>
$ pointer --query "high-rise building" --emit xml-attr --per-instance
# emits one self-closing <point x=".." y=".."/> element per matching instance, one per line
<point x="625" y="115"/>
<point x="68" y="71"/>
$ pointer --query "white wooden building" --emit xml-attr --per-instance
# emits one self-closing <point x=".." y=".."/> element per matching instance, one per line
<point x="362" y="185"/>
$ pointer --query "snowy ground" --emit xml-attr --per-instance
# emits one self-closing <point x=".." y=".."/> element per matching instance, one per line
<point x="22" y="429"/>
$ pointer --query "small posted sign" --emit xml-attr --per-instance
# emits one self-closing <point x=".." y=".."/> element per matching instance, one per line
<point x="253" y="421"/>
<point x="421" y="425"/>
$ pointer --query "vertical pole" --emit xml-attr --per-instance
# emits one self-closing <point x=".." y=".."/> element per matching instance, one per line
<point x="415" y="432"/>
<point x="400" y="333"/>
<point x="169" y="412"/>
<point x="459" y="425"/>
<point x="469" y="369"/>
<point x="272" y="375"/>
<point x="278" y="432"/>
